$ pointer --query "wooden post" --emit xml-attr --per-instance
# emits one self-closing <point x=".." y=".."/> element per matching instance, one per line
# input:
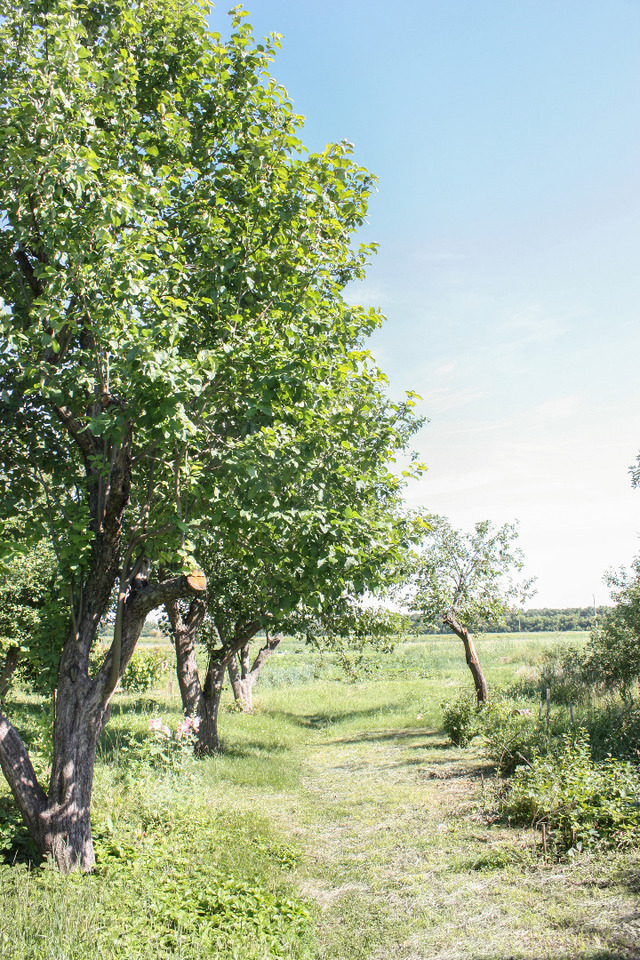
<point x="548" y="707"/>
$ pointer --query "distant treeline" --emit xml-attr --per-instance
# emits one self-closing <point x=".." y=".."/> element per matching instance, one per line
<point x="531" y="621"/>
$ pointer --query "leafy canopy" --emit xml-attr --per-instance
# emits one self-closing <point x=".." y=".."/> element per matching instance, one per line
<point x="172" y="263"/>
<point x="474" y="576"/>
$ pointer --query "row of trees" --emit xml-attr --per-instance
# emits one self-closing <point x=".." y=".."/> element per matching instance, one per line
<point x="182" y="384"/>
<point x="532" y="620"/>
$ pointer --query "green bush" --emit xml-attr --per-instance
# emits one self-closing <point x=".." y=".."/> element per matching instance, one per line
<point x="566" y="671"/>
<point x="508" y="727"/>
<point x="582" y="803"/>
<point x="513" y="734"/>
<point x="461" y="719"/>
<point x="614" y="729"/>
<point x="144" y="670"/>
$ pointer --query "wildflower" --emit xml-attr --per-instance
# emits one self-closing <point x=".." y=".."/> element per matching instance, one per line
<point x="182" y="730"/>
<point x="157" y="725"/>
<point x="187" y="726"/>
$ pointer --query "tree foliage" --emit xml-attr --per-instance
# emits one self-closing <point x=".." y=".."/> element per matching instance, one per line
<point x="612" y="653"/>
<point x="172" y="263"/>
<point x="475" y="575"/>
<point x="30" y="625"/>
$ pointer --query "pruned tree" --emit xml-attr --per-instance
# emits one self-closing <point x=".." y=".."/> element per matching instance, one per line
<point x="467" y="580"/>
<point x="244" y="672"/>
<point x="170" y="265"/>
<point x="315" y="524"/>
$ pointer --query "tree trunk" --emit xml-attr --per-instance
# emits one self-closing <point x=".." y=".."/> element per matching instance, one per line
<point x="203" y="701"/>
<point x="59" y="822"/>
<point x="8" y="669"/>
<point x="197" y="701"/>
<point x="482" y="691"/>
<point x="67" y="835"/>
<point x="241" y="686"/>
<point x="242" y="677"/>
<point x="208" y="741"/>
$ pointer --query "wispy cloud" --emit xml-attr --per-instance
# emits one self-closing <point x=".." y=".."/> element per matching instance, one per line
<point x="533" y="325"/>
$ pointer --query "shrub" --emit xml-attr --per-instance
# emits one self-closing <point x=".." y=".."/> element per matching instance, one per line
<point x="144" y="670"/>
<point x="460" y="719"/>
<point x="614" y="729"/>
<point x="508" y="727"/>
<point x="513" y="734"/>
<point x="582" y="803"/>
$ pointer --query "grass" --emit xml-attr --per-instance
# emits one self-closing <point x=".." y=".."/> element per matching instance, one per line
<point x="336" y="824"/>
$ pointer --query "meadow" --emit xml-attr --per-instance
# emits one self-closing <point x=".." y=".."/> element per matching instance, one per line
<point x="337" y="823"/>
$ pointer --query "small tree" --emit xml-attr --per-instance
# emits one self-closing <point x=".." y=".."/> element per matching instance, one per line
<point x="315" y="524"/>
<point x="612" y="653"/>
<point x="465" y="580"/>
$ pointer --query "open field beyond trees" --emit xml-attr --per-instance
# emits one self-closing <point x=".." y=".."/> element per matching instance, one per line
<point x="337" y="822"/>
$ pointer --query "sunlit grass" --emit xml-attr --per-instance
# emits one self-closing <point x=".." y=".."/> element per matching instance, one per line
<point x="343" y="799"/>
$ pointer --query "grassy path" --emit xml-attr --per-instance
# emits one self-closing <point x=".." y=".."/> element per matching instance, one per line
<point x="403" y="865"/>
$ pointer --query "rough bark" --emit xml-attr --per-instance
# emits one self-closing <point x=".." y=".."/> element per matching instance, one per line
<point x="198" y="699"/>
<point x="242" y="677"/>
<point x="59" y="821"/>
<point x="482" y="691"/>
<point x="8" y="669"/>
<point x="185" y="632"/>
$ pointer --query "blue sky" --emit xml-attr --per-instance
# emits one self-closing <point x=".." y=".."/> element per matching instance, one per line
<point x="506" y="138"/>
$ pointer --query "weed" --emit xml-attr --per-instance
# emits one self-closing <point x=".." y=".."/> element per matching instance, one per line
<point x="580" y="802"/>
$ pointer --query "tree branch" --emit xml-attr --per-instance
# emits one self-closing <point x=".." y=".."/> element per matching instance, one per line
<point x="8" y="669"/>
<point x="18" y="769"/>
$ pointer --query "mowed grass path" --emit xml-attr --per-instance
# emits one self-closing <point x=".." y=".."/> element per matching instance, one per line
<point x="403" y="861"/>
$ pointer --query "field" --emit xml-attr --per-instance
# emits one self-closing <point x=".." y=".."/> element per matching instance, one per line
<point x="336" y="824"/>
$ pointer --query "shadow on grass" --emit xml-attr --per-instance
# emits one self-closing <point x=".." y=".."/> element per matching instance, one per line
<point x="116" y="744"/>
<point x="251" y="748"/>
<point x="324" y="720"/>
<point x="436" y="739"/>
<point x="16" y="845"/>
<point x="141" y="706"/>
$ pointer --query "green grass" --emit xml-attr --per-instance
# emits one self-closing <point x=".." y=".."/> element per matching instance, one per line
<point x="336" y="824"/>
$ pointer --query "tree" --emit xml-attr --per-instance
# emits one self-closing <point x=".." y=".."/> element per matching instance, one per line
<point x="612" y="652"/>
<point x="318" y="524"/>
<point x="171" y="267"/>
<point x="243" y="673"/>
<point x="466" y="580"/>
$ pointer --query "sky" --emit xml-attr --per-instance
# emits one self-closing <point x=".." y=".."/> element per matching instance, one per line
<point x="505" y="135"/>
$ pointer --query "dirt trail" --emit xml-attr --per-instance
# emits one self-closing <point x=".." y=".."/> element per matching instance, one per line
<point x="404" y="865"/>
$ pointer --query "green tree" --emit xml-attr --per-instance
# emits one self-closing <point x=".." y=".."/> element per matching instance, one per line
<point x="612" y="652"/>
<point x="316" y="526"/>
<point x="171" y="270"/>
<point x="468" y="580"/>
